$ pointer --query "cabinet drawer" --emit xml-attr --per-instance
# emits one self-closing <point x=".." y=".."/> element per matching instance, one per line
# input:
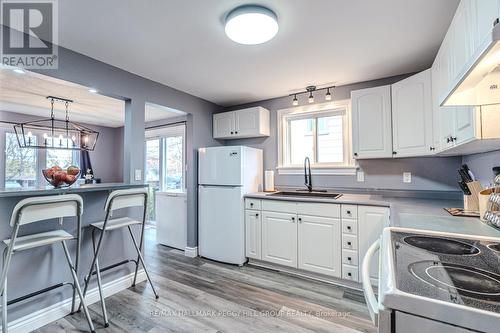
<point x="253" y="204"/>
<point x="350" y="257"/>
<point x="349" y="211"/>
<point x="319" y="209"/>
<point x="349" y="242"/>
<point x="279" y="206"/>
<point x="350" y="226"/>
<point x="350" y="272"/>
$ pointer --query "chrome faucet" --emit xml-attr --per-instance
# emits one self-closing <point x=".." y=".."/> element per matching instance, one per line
<point x="307" y="174"/>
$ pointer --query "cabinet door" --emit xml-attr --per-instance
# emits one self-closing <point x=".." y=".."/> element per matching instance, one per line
<point x="319" y="245"/>
<point x="487" y="11"/>
<point x="279" y="238"/>
<point x="223" y="126"/>
<point x="253" y="234"/>
<point x="464" y="124"/>
<point x="371" y="222"/>
<point x="371" y="122"/>
<point x="463" y="32"/>
<point x="247" y="122"/>
<point x="412" y="116"/>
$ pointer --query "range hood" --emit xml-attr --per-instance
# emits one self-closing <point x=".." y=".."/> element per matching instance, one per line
<point x="479" y="82"/>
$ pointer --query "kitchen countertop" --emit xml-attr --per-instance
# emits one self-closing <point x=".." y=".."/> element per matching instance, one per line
<point x="49" y="190"/>
<point x="415" y="213"/>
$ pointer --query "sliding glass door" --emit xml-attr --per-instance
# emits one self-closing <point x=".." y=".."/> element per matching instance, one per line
<point x="165" y="161"/>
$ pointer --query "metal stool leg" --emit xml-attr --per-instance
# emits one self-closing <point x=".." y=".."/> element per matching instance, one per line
<point x="99" y="283"/>
<point x="77" y="286"/>
<point x="142" y="261"/>
<point x="87" y="278"/>
<point x="4" y="296"/>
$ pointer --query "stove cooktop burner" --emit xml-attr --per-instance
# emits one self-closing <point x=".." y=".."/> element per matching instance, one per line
<point x="467" y="281"/>
<point x="494" y="247"/>
<point x="441" y="245"/>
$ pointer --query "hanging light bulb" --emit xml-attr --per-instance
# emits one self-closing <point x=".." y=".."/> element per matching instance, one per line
<point x="45" y="137"/>
<point x="295" y="101"/>
<point x="30" y="136"/>
<point x="311" y="97"/>
<point x="328" y="96"/>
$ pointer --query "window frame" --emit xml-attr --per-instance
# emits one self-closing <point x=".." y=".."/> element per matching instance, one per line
<point x="343" y="107"/>
<point x="162" y="133"/>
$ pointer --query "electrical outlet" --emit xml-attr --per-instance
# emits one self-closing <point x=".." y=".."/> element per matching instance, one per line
<point x="360" y="176"/>
<point x="406" y="177"/>
<point x="138" y="174"/>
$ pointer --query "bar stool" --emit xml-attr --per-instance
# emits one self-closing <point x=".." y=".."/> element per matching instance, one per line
<point x="117" y="200"/>
<point x="38" y="209"/>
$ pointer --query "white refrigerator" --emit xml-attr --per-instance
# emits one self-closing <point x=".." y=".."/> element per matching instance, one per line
<point x="225" y="175"/>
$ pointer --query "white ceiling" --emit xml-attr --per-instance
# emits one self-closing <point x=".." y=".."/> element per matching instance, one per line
<point x="26" y="94"/>
<point x="181" y="43"/>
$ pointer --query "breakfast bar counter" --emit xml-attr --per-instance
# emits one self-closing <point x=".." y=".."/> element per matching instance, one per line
<point x="39" y="268"/>
<point x="49" y="190"/>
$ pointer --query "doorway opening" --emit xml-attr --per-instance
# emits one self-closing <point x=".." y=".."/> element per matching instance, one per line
<point x="165" y="152"/>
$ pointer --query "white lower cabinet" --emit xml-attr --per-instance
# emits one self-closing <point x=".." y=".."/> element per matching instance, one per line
<point x="319" y="245"/>
<point x="279" y="238"/>
<point x="329" y="239"/>
<point x="373" y="220"/>
<point x="253" y="225"/>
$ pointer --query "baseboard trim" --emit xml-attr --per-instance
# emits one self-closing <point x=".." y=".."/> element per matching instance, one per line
<point x="191" y="252"/>
<point x="61" y="309"/>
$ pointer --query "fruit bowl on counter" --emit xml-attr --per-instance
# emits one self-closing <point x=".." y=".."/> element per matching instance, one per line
<point x="59" y="177"/>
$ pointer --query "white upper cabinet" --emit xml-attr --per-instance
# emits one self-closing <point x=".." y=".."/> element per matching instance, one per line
<point x="223" y="124"/>
<point x="412" y="116"/>
<point x="487" y="12"/>
<point x="371" y="122"/>
<point x="247" y="123"/>
<point x="462" y="36"/>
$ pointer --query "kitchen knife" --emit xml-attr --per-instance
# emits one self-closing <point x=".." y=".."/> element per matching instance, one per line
<point x="464" y="188"/>
<point x="465" y="167"/>
<point x="464" y="175"/>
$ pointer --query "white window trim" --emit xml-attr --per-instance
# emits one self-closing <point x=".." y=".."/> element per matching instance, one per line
<point x="323" y="168"/>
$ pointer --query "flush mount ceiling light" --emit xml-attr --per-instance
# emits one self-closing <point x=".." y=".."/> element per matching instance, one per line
<point x="251" y="24"/>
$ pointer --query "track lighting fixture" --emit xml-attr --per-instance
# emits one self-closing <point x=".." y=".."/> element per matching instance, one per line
<point x="328" y="96"/>
<point x="310" y="90"/>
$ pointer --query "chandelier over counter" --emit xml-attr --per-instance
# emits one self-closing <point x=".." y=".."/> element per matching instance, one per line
<point x="53" y="133"/>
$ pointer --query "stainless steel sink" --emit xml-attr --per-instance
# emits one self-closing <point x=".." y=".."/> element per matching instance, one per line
<point x="306" y="194"/>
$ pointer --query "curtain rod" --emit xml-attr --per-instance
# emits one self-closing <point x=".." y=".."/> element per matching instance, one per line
<point x="166" y="125"/>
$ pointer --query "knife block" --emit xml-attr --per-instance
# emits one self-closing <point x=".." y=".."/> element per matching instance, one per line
<point x="471" y="202"/>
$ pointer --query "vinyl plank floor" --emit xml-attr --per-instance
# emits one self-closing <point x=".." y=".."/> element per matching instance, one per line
<point x="199" y="295"/>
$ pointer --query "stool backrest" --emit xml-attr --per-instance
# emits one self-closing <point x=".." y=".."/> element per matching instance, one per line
<point x="42" y="208"/>
<point x="126" y="198"/>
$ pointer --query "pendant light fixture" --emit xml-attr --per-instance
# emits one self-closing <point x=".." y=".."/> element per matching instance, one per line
<point x="310" y="90"/>
<point x="251" y="24"/>
<point x="56" y="134"/>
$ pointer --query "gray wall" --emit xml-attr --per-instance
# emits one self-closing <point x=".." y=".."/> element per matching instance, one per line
<point x="481" y="164"/>
<point x="136" y="91"/>
<point x="430" y="173"/>
<point x="106" y="158"/>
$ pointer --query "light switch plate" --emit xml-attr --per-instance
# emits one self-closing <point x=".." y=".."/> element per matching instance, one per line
<point x="138" y="174"/>
<point x="406" y="177"/>
<point x="360" y="176"/>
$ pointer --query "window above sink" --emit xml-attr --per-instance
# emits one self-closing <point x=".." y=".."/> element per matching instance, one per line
<point x="320" y="132"/>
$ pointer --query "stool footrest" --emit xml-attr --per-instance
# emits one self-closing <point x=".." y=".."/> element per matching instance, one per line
<point x="107" y="268"/>
<point x="38" y="292"/>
